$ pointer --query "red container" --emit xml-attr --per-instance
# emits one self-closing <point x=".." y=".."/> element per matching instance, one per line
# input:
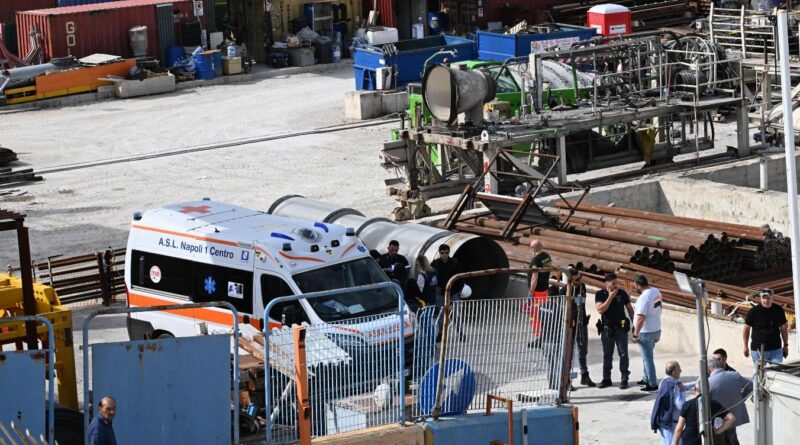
<point x="8" y="8"/>
<point x="609" y="19"/>
<point x="97" y="28"/>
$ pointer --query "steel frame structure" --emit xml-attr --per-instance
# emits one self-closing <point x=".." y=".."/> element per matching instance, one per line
<point x="645" y="84"/>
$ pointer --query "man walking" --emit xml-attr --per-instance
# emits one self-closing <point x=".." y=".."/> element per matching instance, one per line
<point x="612" y="303"/>
<point x="729" y="388"/>
<point x="394" y="264"/>
<point x="538" y="283"/>
<point x="647" y="328"/>
<point x="580" y="323"/>
<point x="101" y="430"/>
<point x="668" y="404"/>
<point x="768" y="325"/>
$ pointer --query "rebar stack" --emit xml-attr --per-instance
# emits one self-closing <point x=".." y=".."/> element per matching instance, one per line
<point x="598" y="239"/>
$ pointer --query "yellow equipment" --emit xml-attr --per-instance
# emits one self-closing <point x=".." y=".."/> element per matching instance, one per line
<point x="48" y="306"/>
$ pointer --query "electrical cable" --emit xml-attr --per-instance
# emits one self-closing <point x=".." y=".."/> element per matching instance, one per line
<point x="218" y="145"/>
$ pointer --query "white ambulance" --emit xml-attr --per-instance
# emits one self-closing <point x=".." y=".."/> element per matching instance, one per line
<point x="203" y="251"/>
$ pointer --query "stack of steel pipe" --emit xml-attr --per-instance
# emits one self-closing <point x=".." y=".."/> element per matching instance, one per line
<point x="735" y="300"/>
<point x="706" y="249"/>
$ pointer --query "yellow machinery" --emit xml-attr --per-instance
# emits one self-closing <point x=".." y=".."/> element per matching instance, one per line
<point x="48" y="306"/>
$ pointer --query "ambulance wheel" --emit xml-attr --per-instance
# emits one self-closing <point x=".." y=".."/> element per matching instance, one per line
<point x="163" y="334"/>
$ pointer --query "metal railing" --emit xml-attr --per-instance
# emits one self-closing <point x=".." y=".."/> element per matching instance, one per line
<point x="498" y="341"/>
<point x="355" y="370"/>
<point x="515" y="348"/>
<point x="83" y="278"/>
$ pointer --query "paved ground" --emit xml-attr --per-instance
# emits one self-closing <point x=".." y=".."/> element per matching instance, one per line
<point x="85" y="209"/>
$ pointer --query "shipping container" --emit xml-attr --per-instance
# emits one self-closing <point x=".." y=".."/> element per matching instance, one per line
<point x="9" y="8"/>
<point x="97" y="28"/>
<point x="62" y="3"/>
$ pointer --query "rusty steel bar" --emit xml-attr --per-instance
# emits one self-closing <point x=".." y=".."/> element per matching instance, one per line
<point x="614" y="221"/>
<point x="510" y="406"/>
<point x="737" y="230"/>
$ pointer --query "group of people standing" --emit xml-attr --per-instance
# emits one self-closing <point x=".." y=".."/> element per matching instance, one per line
<point x="428" y="286"/>
<point x="618" y="319"/>
<point x="675" y="416"/>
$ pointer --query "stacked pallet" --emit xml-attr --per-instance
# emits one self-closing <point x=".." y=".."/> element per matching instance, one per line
<point x="10" y="176"/>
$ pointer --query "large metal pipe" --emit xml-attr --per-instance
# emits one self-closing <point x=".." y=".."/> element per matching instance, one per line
<point x="473" y="252"/>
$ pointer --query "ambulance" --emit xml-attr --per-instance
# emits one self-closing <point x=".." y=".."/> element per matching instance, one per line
<point x="202" y="251"/>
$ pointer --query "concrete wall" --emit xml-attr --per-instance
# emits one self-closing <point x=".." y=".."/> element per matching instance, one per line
<point x="727" y="203"/>
<point x="638" y="195"/>
<point x="546" y="426"/>
<point x="745" y="173"/>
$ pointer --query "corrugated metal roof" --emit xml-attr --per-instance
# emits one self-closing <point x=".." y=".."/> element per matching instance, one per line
<point x="100" y="6"/>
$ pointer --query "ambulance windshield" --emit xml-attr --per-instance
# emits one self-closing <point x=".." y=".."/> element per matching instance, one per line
<point x="348" y="304"/>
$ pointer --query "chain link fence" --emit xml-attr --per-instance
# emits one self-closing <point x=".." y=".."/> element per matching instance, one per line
<point x="496" y="339"/>
<point x="352" y="378"/>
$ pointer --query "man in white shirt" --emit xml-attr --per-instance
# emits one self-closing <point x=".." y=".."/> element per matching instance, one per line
<point x="647" y="328"/>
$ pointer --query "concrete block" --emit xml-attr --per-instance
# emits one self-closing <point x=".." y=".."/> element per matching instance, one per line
<point x="362" y="104"/>
<point x="151" y="85"/>
<point x="394" y="102"/>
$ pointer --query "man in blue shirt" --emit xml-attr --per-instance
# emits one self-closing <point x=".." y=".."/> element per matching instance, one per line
<point x="101" y="432"/>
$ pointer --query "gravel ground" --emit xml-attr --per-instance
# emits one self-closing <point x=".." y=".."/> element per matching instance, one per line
<point x="82" y="210"/>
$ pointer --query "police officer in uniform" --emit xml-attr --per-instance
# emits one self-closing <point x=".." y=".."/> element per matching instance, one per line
<point x="613" y="326"/>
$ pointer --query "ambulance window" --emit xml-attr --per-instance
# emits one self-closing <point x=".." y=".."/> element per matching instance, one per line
<point x="273" y="287"/>
<point x="215" y="283"/>
<point x="161" y="273"/>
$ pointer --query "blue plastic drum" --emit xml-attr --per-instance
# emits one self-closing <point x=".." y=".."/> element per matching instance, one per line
<point x="205" y="65"/>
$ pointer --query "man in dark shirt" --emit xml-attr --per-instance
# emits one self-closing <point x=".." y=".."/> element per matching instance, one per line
<point x="446" y="266"/>
<point x="394" y="264"/>
<point x="722" y="355"/>
<point x="580" y="323"/>
<point x="538" y="283"/>
<point x="687" y="431"/>
<point x="101" y="431"/>
<point x="768" y="325"/>
<point x="611" y="303"/>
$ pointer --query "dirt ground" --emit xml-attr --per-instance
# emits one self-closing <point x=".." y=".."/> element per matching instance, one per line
<point x="86" y="209"/>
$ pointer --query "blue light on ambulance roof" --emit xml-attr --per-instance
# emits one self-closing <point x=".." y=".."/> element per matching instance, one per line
<point x="281" y="235"/>
<point x="321" y="226"/>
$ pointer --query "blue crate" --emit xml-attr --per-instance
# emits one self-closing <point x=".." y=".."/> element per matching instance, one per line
<point x="409" y="60"/>
<point x="497" y="47"/>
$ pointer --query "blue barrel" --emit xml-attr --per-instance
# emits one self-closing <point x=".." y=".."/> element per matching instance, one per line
<point x="173" y="54"/>
<point x="217" y="62"/>
<point x="205" y="65"/>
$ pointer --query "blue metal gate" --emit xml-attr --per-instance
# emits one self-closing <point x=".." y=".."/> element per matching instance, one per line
<point x="167" y="391"/>
<point x="24" y="379"/>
